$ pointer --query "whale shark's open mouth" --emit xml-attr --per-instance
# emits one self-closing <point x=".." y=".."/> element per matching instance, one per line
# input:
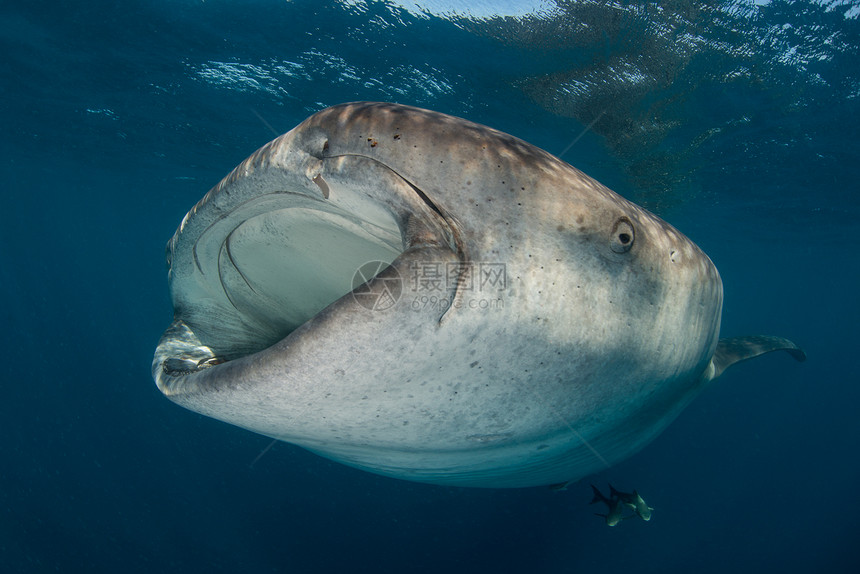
<point x="280" y="239"/>
<point x="281" y="267"/>
<point x="266" y="267"/>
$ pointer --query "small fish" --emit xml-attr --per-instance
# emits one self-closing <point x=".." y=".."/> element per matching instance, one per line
<point x="614" y="505"/>
<point x="634" y="501"/>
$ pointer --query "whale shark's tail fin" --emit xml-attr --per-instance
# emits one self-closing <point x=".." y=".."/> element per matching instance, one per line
<point x="737" y="349"/>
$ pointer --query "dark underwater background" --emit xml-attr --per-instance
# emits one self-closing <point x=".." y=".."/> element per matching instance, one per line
<point x="737" y="122"/>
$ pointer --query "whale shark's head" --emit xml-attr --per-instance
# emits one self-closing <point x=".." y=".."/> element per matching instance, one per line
<point x="429" y="298"/>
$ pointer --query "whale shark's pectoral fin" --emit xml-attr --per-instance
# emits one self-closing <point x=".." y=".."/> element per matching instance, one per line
<point x="736" y="349"/>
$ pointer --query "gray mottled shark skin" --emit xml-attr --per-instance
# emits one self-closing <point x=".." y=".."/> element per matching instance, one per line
<point x="531" y="328"/>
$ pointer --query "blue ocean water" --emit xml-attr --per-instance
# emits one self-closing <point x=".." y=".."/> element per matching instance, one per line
<point x="735" y="121"/>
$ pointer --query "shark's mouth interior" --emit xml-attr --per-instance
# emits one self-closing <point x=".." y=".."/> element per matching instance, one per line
<point x="272" y="263"/>
<point x="283" y="267"/>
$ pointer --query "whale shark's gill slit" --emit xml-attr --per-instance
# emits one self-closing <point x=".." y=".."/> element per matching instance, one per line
<point x="423" y="197"/>
<point x="229" y="253"/>
<point x="196" y="258"/>
<point x="224" y="287"/>
<point x="451" y="228"/>
<point x="414" y="187"/>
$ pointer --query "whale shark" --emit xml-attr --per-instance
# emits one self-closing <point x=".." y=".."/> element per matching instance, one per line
<point x="430" y="299"/>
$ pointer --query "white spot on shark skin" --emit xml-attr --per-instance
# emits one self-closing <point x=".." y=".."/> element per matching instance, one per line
<point x="605" y="327"/>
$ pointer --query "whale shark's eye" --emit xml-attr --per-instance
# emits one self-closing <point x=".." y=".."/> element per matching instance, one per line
<point x="622" y="236"/>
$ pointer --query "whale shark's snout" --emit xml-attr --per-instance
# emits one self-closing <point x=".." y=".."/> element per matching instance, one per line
<point x="431" y="299"/>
